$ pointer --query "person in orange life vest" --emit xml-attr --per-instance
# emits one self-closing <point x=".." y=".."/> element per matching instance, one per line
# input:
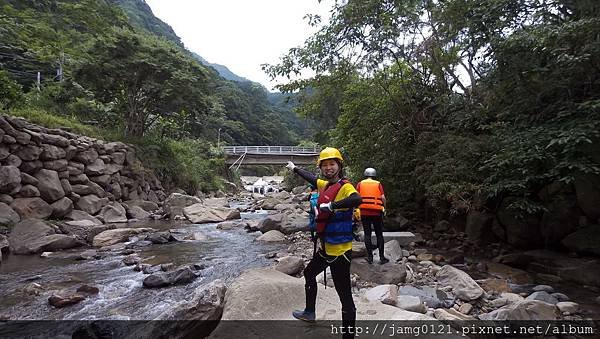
<point x="371" y="212"/>
<point x="337" y="199"/>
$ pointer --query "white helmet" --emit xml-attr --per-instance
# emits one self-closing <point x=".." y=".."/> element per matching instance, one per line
<point x="370" y="172"/>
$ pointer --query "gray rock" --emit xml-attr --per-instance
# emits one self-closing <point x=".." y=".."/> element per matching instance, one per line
<point x="35" y="236"/>
<point x="464" y="287"/>
<point x="543" y="296"/>
<point x="66" y="185"/>
<point x="4" y="151"/>
<point x="7" y="199"/>
<point x="91" y="203"/>
<point x="432" y="297"/>
<point x="61" y="207"/>
<point x="28" y="191"/>
<point x="568" y="307"/>
<point x="442" y="226"/>
<point x="391" y="250"/>
<point x="31" y="167"/>
<point x="53" y="139"/>
<point x="379" y="274"/>
<point x="10" y="178"/>
<point x="290" y="265"/>
<point x="102" y="180"/>
<point x="523" y="310"/>
<point x="113" y="213"/>
<point x="451" y="315"/>
<point x="272" y="236"/>
<point x="387" y="294"/>
<point x="13" y="160"/>
<point x="176" y="202"/>
<point x="28" y="152"/>
<point x="27" y="179"/>
<point x="136" y="212"/>
<point x="86" y="157"/>
<point x="198" y="213"/>
<point x="81" y="215"/>
<point x="60" y="301"/>
<point x="51" y="152"/>
<point x="545" y="288"/>
<point x="560" y="297"/>
<point x="49" y="185"/>
<point x="182" y="275"/>
<point x="111" y="237"/>
<point x="411" y="303"/>
<point x="96" y="168"/>
<point x="57" y="165"/>
<point x="7" y="215"/>
<point x="520" y="232"/>
<point x="31" y="208"/>
<point x="4" y="245"/>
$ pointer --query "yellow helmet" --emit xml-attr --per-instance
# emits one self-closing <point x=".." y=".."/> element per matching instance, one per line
<point x="329" y="153"/>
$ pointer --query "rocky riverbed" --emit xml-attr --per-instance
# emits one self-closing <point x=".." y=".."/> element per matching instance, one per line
<point x="166" y="269"/>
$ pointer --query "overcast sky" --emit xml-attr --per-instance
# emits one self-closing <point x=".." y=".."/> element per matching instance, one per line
<point x="240" y="34"/>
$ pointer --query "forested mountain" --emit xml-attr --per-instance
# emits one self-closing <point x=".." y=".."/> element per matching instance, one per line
<point x="124" y="68"/>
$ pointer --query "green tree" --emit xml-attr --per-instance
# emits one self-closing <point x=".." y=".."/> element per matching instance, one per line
<point x="146" y="77"/>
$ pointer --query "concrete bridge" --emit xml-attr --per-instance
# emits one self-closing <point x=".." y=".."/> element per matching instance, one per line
<point x="270" y="155"/>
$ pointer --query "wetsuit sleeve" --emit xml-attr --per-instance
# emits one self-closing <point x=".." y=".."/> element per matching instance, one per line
<point x="306" y="175"/>
<point x="353" y="200"/>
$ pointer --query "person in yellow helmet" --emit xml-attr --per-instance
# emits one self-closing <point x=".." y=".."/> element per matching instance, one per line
<point x="337" y="200"/>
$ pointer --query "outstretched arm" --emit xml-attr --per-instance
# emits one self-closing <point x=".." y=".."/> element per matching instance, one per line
<point x="306" y="175"/>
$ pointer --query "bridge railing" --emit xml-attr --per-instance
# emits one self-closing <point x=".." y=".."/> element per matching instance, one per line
<point x="271" y="150"/>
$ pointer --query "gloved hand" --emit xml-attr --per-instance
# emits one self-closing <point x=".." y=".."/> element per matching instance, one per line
<point x="326" y="206"/>
<point x="290" y="165"/>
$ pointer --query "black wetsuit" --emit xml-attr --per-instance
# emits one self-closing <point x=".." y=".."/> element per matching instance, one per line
<point x="340" y="267"/>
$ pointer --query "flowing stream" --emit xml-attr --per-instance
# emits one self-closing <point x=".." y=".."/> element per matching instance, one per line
<point x="224" y="255"/>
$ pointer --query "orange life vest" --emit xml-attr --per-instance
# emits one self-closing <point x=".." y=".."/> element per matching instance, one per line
<point x="371" y="195"/>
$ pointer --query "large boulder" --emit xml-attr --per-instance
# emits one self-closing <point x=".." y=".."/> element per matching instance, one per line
<point x="10" y="178"/>
<point x="36" y="236"/>
<point x="390" y="273"/>
<point x="91" y="203"/>
<point x="523" y="310"/>
<point x="49" y="185"/>
<point x="61" y="207"/>
<point x="279" y="294"/>
<point x="585" y="240"/>
<point x="136" y="212"/>
<point x="31" y="208"/>
<point x="290" y="265"/>
<point x="199" y="213"/>
<point x="111" y="237"/>
<point x="464" y="287"/>
<point x="7" y="215"/>
<point x="113" y="213"/>
<point x="176" y="202"/>
<point x="287" y="223"/>
<point x="51" y="152"/>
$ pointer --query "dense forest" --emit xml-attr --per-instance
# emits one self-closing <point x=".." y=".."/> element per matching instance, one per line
<point x="116" y="67"/>
<point x="482" y="105"/>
